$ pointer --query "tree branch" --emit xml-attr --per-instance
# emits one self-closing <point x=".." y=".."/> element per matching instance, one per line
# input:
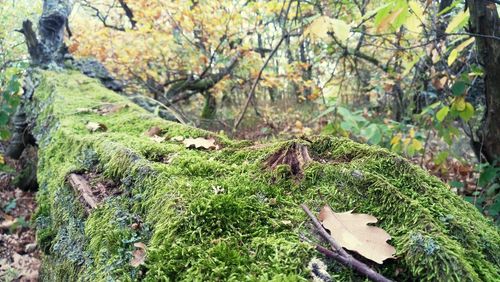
<point x="340" y="254"/>
<point x="202" y="84"/>
<point x="256" y="82"/>
<point x="128" y="13"/>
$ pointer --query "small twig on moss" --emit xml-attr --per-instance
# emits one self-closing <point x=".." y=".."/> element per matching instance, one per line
<point x="340" y="254"/>
<point x="81" y="185"/>
<point x="323" y="232"/>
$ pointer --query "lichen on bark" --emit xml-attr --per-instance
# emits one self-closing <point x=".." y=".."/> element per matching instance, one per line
<point x="224" y="214"/>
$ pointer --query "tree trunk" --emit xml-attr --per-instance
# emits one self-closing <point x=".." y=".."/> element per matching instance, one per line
<point x="49" y="48"/>
<point x="46" y="51"/>
<point x="210" y="108"/>
<point x="484" y="21"/>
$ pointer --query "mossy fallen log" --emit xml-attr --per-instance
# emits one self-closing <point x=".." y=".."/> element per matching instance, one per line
<point x="231" y="213"/>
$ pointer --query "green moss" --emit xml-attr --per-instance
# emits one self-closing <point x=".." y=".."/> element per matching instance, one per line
<point x="221" y="215"/>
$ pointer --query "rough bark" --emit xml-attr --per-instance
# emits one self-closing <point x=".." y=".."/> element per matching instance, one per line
<point x="210" y="108"/>
<point x="46" y="50"/>
<point x="485" y="22"/>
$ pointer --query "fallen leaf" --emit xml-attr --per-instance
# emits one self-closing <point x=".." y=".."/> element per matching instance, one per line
<point x="26" y="266"/>
<point x="139" y="254"/>
<point x="96" y="126"/>
<point x="8" y="223"/>
<point x="83" y="110"/>
<point x="351" y="231"/>
<point x="177" y="138"/>
<point x="217" y="189"/>
<point x="111" y="108"/>
<point x="200" y="143"/>
<point x="157" y="138"/>
<point x="155" y="130"/>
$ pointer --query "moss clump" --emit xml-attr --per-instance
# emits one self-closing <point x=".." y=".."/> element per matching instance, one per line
<point x="224" y="215"/>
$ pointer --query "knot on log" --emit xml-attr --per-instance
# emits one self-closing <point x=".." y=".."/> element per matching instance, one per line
<point x="295" y="155"/>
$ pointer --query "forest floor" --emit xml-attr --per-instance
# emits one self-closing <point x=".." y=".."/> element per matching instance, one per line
<point x="19" y="254"/>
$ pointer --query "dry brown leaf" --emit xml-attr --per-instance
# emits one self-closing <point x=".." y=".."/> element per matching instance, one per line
<point x="8" y="223"/>
<point x="177" y="138"/>
<point x="25" y="266"/>
<point x="200" y="143"/>
<point x="139" y="254"/>
<point x="83" y="110"/>
<point x="157" y="138"/>
<point x="96" y="126"/>
<point x="351" y="231"/>
<point x="111" y="108"/>
<point x="155" y="130"/>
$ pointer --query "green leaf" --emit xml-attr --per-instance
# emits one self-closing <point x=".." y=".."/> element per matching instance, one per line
<point x="494" y="209"/>
<point x="456" y="184"/>
<point x="487" y="175"/>
<point x="373" y="134"/>
<point x="441" y="158"/>
<point x="454" y="53"/>
<point x="458" y="21"/>
<point x="345" y="113"/>
<point x="468" y="112"/>
<point x="441" y="114"/>
<point x="4" y="134"/>
<point x="4" y="118"/>
<point x="458" y="104"/>
<point x="449" y="8"/>
<point x="14" y="86"/>
<point x="458" y="88"/>
<point x="325" y="112"/>
<point x="452" y="57"/>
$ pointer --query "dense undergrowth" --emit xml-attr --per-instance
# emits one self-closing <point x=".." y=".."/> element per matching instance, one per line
<point x="222" y="215"/>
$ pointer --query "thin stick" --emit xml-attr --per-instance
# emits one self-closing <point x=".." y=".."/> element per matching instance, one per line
<point x="81" y="186"/>
<point x="323" y="232"/>
<point x="256" y="82"/>
<point x="341" y="255"/>
<point x="354" y="264"/>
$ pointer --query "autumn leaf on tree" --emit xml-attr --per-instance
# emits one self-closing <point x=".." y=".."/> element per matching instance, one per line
<point x="351" y="231"/>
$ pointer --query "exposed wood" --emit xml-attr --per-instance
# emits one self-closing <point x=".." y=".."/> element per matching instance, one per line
<point x="296" y="156"/>
<point x="82" y="187"/>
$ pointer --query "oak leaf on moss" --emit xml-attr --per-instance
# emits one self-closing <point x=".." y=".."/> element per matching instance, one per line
<point x="352" y="232"/>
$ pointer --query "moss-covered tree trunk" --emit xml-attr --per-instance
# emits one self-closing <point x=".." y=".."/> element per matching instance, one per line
<point x="210" y="107"/>
<point x="227" y="214"/>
